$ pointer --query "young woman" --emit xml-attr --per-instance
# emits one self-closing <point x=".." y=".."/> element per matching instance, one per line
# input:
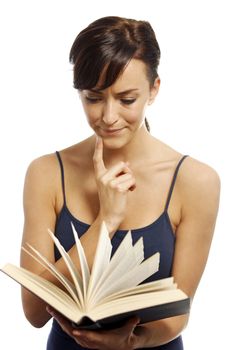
<point x="124" y="176"/>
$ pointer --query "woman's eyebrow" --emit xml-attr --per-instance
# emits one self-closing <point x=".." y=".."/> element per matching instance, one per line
<point x="126" y="92"/>
<point x="120" y="93"/>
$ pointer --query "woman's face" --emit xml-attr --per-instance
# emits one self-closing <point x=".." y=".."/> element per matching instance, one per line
<point x="118" y="112"/>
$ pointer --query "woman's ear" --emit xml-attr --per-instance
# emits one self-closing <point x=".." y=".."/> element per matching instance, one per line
<point x="154" y="90"/>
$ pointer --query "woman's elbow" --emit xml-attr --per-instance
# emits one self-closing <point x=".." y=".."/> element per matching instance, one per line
<point x="34" y="310"/>
<point x="177" y="324"/>
<point x="34" y="320"/>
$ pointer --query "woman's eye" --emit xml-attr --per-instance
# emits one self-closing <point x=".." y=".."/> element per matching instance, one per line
<point x="128" y="101"/>
<point x="92" y="99"/>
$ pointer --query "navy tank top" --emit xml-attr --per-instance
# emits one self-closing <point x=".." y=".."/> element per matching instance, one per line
<point x="157" y="237"/>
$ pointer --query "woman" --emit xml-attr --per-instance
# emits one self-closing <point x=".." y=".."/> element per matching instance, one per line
<point x="124" y="176"/>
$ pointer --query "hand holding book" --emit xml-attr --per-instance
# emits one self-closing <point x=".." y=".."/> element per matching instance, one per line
<point x="128" y="336"/>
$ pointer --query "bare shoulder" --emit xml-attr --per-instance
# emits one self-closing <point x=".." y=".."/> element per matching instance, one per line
<point x="45" y="165"/>
<point x="44" y="172"/>
<point x="44" y="162"/>
<point x="200" y="174"/>
<point x="42" y="175"/>
<point x="199" y="184"/>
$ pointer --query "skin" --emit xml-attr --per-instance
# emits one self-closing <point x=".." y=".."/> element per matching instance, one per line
<point x="117" y="172"/>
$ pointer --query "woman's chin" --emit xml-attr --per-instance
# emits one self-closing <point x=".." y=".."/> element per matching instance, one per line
<point x="114" y="144"/>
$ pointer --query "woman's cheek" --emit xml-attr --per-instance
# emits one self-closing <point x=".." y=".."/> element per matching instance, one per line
<point x="93" y="115"/>
<point x="134" y="116"/>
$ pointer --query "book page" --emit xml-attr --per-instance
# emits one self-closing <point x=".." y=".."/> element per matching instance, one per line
<point x="115" y="262"/>
<point x="131" y="278"/>
<point x="159" y="285"/>
<point x="83" y="263"/>
<point x="71" y="268"/>
<point x="135" y="302"/>
<point x="101" y="259"/>
<point x="126" y="257"/>
<point x="45" y="290"/>
<point x="54" y="271"/>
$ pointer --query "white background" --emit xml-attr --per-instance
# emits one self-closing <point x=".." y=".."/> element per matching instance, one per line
<point x="40" y="113"/>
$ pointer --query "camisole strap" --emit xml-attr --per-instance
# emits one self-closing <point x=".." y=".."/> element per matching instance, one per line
<point x="173" y="182"/>
<point x="62" y="176"/>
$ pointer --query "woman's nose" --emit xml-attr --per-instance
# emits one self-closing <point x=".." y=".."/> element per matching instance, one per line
<point x="109" y="113"/>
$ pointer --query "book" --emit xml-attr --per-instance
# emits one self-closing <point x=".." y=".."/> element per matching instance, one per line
<point x="111" y="292"/>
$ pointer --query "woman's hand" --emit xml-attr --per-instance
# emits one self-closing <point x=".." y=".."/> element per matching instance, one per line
<point x="113" y="185"/>
<point x="122" y="338"/>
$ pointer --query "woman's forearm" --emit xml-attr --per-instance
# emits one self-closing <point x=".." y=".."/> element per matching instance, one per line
<point x="160" y="332"/>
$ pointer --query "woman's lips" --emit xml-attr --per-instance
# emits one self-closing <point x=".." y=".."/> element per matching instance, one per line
<point x="112" y="131"/>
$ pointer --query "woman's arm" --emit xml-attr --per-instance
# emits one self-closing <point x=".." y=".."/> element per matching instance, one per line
<point x="41" y="184"/>
<point x="198" y="186"/>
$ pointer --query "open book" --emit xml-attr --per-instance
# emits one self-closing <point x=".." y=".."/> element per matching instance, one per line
<point x="110" y="293"/>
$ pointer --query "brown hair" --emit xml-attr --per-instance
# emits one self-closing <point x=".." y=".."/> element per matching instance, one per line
<point x="110" y="43"/>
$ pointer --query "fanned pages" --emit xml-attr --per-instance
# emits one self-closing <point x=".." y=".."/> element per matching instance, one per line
<point x="110" y="293"/>
<point x="50" y="293"/>
<point x="54" y="271"/>
<point x="71" y="267"/>
<point x="101" y="260"/>
<point x="130" y="278"/>
<point x="126" y="255"/>
<point x="142" y="288"/>
<point x="83" y="263"/>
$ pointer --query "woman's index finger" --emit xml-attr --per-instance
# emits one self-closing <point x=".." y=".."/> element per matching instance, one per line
<point x="98" y="157"/>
